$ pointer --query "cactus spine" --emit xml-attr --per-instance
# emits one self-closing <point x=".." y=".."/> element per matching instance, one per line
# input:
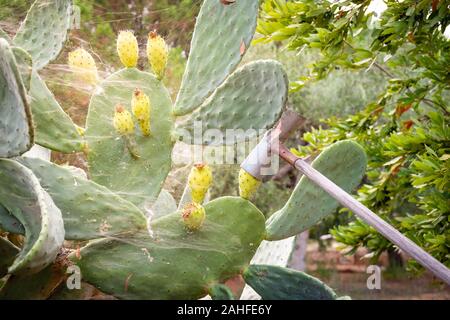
<point x="157" y="53"/>
<point x="140" y="106"/>
<point x="200" y="179"/>
<point x="127" y="49"/>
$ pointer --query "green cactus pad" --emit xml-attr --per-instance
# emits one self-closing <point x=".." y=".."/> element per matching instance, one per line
<point x="277" y="283"/>
<point x="54" y="128"/>
<point x="8" y="253"/>
<point x="252" y="99"/>
<point x="221" y="292"/>
<point x="38" y="286"/>
<point x="89" y="210"/>
<point x="44" y="30"/>
<point x="24" y="65"/>
<point x="22" y="195"/>
<point x="110" y="163"/>
<point x="344" y="163"/>
<point x="16" y="128"/>
<point x="221" y="37"/>
<point x="176" y="263"/>
<point x="9" y="223"/>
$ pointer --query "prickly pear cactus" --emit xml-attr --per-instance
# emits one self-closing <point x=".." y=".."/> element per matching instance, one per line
<point x="175" y="263"/>
<point x="16" y="127"/>
<point x="44" y="30"/>
<point x="110" y="162"/>
<point x="344" y="163"/>
<point x="221" y="37"/>
<point x="22" y="195"/>
<point x="187" y="253"/>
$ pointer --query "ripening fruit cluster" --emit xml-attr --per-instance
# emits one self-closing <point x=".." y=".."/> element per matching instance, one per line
<point x="199" y="180"/>
<point x="157" y="51"/>
<point x="140" y="106"/>
<point x="83" y="64"/>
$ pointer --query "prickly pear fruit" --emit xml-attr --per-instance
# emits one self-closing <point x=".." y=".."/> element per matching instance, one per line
<point x="82" y="63"/>
<point x="123" y="122"/>
<point x="193" y="216"/>
<point x="247" y="184"/>
<point x="127" y="49"/>
<point x="157" y="53"/>
<point x="140" y="106"/>
<point x="200" y="179"/>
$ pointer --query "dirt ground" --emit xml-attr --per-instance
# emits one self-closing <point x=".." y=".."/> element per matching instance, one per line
<point x="347" y="275"/>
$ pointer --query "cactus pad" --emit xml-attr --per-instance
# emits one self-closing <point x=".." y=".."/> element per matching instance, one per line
<point x="253" y="97"/>
<point x="89" y="210"/>
<point x="24" y="65"/>
<point x="9" y="223"/>
<point x="16" y="128"/>
<point x="344" y="163"/>
<point x="44" y="30"/>
<point x="8" y="253"/>
<point x="22" y="195"/>
<point x="221" y="37"/>
<point x="273" y="253"/>
<point x="276" y="283"/>
<point x="110" y="163"/>
<point x="54" y="128"/>
<point x="175" y="263"/>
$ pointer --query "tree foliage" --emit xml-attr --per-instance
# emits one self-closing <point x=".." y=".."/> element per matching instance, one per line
<point x="405" y="131"/>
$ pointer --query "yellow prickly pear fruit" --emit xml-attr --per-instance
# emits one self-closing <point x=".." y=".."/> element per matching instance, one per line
<point x="247" y="184"/>
<point x="200" y="179"/>
<point x="123" y="122"/>
<point x="157" y="53"/>
<point x="140" y="105"/>
<point x="127" y="49"/>
<point x="193" y="216"/>
<point x="82" y="63"/>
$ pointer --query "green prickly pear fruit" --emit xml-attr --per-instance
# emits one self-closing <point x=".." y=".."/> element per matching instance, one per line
<point x="123" y="122"/>
<point x="200" y="179"/>
<point x="140" y="106"/>
<point x="83" y="64"/>
<point x="193" y="216"/>
<point x="247" y="184"/>
<point x="127" y="49"/>
<point x="157" y="53"/>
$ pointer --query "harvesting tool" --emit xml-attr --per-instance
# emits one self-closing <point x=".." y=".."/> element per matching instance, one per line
<point x="329" y="174"/>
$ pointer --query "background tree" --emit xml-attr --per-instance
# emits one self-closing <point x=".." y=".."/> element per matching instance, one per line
<point x="405" y="130"/>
